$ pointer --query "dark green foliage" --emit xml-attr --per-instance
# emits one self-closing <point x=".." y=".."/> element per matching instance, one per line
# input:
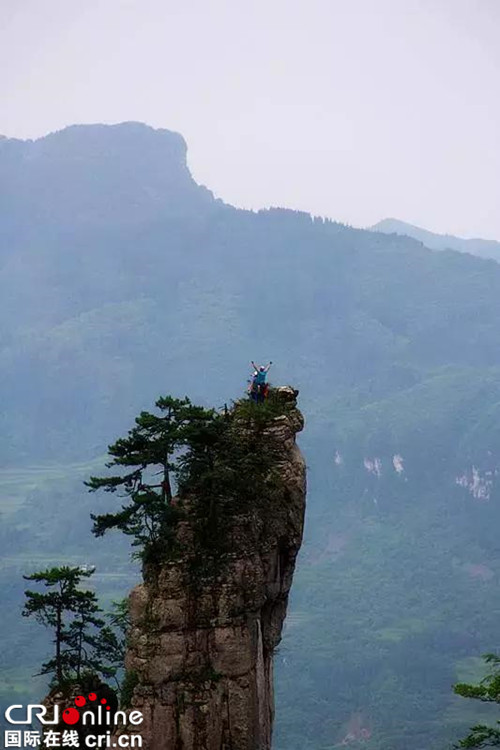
<point x="151" y="454"/>
<point x="230" y="470"/>
<point x="111" y="644"/>
<point x="82" y="642"/>
<point x="260" y="414"/>
<point x="229" y="458"/>
<point x="221" y="461"/>
<point x="487" y="691"/>
<point x="130" y="681"/>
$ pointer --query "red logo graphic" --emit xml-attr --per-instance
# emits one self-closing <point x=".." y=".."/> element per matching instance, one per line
<point x="72" y="715"/>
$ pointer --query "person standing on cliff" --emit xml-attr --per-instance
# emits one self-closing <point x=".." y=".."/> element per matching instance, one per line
<point x="259" y="387"/>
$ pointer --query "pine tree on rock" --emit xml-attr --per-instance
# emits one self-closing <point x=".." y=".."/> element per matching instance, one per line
<point x="73" y="615"/>
<point x="151" y="455"/>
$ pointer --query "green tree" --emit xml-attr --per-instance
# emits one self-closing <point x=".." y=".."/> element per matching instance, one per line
<point x="152" y="457"/>
<point x="84" y="633"/>
<point x="74" y="616"/>
<point x="488" y="691"/>
<point x="112" y="640"/>
<point x="217" y="461"/>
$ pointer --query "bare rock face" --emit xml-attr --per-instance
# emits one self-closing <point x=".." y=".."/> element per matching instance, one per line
<point x="202" y="641"/>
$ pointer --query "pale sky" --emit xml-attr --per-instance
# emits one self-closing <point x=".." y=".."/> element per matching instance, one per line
<point x="352" y="109"/>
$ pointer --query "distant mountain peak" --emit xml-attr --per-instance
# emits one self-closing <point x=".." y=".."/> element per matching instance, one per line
<point x="127" y="128"/>
<point x="99" y="173"/>
<point x="107" y="141"/>
<point x="481" y="247"/>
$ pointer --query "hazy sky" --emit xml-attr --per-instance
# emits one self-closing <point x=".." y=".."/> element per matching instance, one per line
<point x="353" y="109"/>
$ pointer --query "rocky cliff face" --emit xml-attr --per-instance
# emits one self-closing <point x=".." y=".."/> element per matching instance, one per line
<point x="201" y="645"/>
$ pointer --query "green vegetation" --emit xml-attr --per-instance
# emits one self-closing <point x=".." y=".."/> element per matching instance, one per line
<point x="487" y="691"/>
<point x="260" y="414"/>
<point x="220" y="461"/>
<point x="150" y="455"/>
<point x="130" y="680"/>
<point x="83" y="644"/>
<point x="154" y="286"/>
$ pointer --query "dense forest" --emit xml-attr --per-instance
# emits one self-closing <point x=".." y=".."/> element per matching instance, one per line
<point x="121" y="278"/>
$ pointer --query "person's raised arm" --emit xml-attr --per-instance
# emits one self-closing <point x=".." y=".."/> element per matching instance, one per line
<point x="268" y="367"/>
<point x="254" y="365"/>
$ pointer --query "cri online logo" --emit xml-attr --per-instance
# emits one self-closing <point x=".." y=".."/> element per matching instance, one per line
<point x="72" y="715"/>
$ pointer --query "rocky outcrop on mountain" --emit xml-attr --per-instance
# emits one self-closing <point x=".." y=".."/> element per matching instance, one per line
<point x="94" y="176"/>
<point x="202" y="640"/>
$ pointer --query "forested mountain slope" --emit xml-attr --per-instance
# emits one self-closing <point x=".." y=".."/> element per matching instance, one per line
<point x="121" y="278"/>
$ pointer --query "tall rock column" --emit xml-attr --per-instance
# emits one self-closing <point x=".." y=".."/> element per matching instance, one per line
<point x="201" y="644"/>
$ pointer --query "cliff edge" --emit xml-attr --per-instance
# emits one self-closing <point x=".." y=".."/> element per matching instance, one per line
<point x="205" y="624"/>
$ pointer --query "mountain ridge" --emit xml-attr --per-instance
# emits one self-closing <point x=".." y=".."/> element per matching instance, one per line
<point x="475" y="246"/>
<point x="127" y="172"/>
<point x="111" y="297"/>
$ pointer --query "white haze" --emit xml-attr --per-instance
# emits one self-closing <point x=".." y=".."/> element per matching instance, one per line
<point x="353" y="109"/>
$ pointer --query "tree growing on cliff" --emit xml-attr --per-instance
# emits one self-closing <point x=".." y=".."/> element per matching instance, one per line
<point x="151" y="455"/>
<point x="111" y="645"/>
<point x="487" y="691"/>
<point x="229" y="458"/>
<point x="220" y="460"/>
<point x="74" y="617"/>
